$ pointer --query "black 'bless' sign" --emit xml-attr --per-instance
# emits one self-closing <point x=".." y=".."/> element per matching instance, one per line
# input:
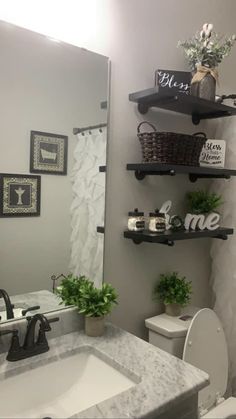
<point x="176" y="81"/>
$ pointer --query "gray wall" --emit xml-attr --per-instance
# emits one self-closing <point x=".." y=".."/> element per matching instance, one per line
<point x="144" y="39"/>
<point x="140" y="36"/>
<point x="50" y="87"/>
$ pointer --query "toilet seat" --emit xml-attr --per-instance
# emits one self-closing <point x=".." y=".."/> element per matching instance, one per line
<point x="205" y="348"/>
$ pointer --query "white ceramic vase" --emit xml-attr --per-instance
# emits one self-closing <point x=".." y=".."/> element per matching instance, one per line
<point x="94" y="326"/>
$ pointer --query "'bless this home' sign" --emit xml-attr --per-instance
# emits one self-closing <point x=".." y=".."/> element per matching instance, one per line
<point x="213" y="154"/>
<point x="174" y="81"/>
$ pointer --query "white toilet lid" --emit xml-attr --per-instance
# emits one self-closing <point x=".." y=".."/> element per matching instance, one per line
<point x="205" y="348"/>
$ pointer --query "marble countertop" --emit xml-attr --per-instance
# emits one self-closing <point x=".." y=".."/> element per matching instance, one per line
<point x="46" y="300"/>
<point x="161" y="378"/>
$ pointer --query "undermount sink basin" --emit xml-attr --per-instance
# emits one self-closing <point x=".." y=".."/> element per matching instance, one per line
<point x="62" y="388"/>
<point x="17" y="313"/>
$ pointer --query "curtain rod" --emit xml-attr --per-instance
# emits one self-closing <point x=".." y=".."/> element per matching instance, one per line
<point x="79" y="130"/>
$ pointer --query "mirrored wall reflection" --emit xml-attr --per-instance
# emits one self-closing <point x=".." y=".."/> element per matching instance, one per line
<point x="53" y="137"/>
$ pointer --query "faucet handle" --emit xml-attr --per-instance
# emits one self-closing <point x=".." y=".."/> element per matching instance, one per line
<point x="42" y="340"/>
<point x="14" y="332"/>
<point x="53" y="320"/>
<point x="24" y="312"/>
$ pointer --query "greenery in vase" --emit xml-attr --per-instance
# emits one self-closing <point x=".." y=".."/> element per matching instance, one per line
<point x="202" y="202"/>
<point x="69" y="290"/>
<point x="207" y="48"/>
<point x="96" y="302"/>
<point x="173" y="289"/>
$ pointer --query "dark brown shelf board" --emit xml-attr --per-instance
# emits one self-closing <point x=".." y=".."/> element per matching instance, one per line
<point x="181" y="103"/>
<point x="157" y="169"/>
<point x="169" y="237"/>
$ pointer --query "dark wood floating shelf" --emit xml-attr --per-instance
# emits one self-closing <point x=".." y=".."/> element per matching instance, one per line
<point x="100" y="229"/>
<point x="143" y="169"/>
<point x="187" y="104"/>
<point x="168" y="238"/>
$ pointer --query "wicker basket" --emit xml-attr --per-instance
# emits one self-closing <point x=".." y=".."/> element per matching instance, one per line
<point x="170" y="147"/>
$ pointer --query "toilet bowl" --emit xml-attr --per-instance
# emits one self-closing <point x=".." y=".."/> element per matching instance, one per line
<point x="198" y="338"/>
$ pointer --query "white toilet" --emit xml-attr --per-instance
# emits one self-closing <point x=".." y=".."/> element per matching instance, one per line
<point x="198" y="338"/>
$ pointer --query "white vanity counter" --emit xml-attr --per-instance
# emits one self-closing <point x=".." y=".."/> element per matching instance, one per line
<point x="164" y="386"/>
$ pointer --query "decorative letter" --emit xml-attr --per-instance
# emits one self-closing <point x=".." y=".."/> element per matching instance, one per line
<point x="192" y="221"/>
<point x="212" y="220"/>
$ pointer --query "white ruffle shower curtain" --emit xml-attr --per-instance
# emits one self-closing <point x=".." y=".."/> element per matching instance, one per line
<point x="88" y="205"/>
<point x="223" y="277"/>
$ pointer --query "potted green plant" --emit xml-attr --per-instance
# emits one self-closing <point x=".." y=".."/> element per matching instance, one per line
<point x="204" y="52"/>
<point x="202" y="206"/>
<point x="95" y="303"/>
<point x="174" y="291"/>
<point x="69" y="290"/>
<point x="203" y="202"/>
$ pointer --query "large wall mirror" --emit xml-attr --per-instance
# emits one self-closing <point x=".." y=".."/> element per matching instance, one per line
<point x="53" y="136"/>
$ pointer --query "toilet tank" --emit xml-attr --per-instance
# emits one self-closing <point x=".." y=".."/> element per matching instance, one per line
<point x="168" y="333"/>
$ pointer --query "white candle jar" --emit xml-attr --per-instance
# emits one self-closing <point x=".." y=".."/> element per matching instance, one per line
<point x="157" y="222"/>
<point x="136" y="221"/>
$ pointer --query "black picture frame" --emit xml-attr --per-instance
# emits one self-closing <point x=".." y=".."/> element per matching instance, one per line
<point x="48" y="153"/>
<point x="20" y="195"/>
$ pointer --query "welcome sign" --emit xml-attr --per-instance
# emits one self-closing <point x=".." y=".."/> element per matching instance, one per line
<point x="176" y="81"/>
<point x="213" y="154"/>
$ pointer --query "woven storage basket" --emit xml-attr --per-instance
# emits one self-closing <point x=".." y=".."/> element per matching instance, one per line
<point x="171" y="147"/>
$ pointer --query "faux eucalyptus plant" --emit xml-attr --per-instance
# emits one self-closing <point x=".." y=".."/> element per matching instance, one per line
<point x="203" y="202"/>
<point x="207" y="48"/>
<point x="173" y="289"/>
<point x="69" y="290"/>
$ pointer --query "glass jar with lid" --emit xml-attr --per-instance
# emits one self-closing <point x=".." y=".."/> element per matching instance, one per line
<point x="136" y="220"/>
<point x="157" y="222"/>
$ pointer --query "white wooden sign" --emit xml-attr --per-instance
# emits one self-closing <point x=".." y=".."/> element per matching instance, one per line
<point x="213" y="154"/>
<point x="202" y="221"/>
<point x="192" y="221"/>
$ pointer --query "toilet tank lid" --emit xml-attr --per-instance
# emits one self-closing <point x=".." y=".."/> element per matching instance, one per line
<point x="172" y="327"/>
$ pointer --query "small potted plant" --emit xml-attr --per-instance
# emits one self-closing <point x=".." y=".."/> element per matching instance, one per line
<point x="69" y="290"/>
<point x="204" y="52"/>
<point x="95" y="303"/>
<point x="202" y="206"/>
<point x="174" y="291"/>
<point x="203" y="202"/>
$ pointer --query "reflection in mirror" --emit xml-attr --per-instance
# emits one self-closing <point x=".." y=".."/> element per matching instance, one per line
<point x="53" y="139"/>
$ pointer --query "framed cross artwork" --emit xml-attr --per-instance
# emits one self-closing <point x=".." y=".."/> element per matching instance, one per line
<point x="20" y="195"/>
<point x="48" y="153"/>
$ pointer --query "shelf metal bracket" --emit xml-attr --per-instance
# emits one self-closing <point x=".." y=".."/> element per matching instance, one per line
<point x="137" y="241"/>
<point x="143" y="108"/>
<point x="140" y="175"/>
<point x="196" y="118"/>
<point x="169" y="243"/>
<point x="194" y="177"/>
<point x="221" y="237"/>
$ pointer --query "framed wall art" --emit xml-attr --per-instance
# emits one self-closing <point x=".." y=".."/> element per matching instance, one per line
<point x="20" y="195"/>
<point x="173" y="82"/>
<point x="48" y="153"/>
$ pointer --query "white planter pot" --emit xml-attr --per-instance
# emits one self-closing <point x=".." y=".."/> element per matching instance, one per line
<point x="173" y="309"/>
<point x="94" y="326"/>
